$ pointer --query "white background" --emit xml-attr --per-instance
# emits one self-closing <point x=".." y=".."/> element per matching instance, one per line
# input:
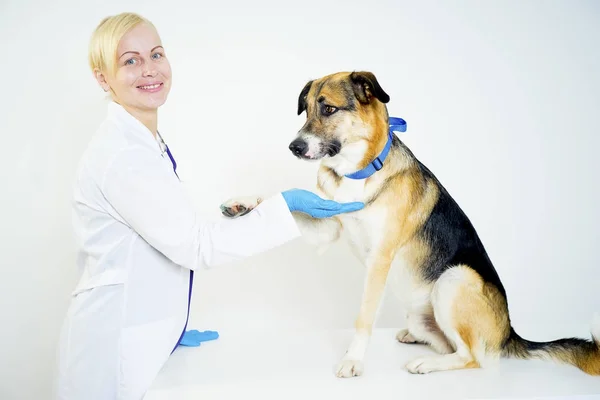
<point x="501" y="100"/>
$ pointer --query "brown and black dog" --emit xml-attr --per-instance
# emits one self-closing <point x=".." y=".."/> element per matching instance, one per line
<point x="454" y="298"/>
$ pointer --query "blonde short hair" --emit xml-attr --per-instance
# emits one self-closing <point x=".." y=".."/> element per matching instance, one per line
<point x="106" y="37"/>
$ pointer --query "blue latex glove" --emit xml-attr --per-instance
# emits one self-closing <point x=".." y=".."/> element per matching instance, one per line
<point x="308" y="202"/>
<point x="193" y="338"/>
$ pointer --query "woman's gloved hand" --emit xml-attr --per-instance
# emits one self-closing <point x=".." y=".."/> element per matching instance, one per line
<point x="315" y="206"/>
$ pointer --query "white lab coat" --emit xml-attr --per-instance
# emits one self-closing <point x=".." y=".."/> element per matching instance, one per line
<point x="138" y="237"/>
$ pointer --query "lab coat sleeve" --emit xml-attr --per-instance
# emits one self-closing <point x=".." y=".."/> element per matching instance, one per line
<point x="152" y="201"/>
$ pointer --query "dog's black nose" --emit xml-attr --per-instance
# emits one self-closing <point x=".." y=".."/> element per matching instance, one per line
<point x="298" y="147"/>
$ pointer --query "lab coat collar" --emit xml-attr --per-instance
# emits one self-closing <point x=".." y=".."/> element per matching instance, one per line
<point x="120" y="115"/>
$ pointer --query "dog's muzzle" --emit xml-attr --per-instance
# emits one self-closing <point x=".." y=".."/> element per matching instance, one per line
<point x="333" y="148"/>
<point x="299" y="147"/>
<point x="312" y="148"/>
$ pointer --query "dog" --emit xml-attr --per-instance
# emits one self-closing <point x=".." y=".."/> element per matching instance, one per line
<point x="455" y="300"/>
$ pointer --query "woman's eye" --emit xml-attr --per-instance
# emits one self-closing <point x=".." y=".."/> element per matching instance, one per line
<point x="131" y="61"/>
<point x="156" y="56"/>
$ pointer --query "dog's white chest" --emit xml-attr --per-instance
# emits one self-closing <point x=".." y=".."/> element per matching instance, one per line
<point x="362" y="229"/>
<point x="350" y="190"/>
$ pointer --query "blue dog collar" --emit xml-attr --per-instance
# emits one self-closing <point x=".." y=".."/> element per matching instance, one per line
<point x="395" y="125"/>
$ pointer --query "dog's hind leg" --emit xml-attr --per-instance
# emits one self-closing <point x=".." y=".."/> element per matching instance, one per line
<point x="404" y="336"/>
<point x="472" y="315"/>
<point x="423" y="329"/>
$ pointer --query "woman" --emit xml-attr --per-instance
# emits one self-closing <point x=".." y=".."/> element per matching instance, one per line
<point x="139" y="237"/>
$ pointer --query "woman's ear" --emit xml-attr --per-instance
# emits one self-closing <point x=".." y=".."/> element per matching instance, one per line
<point x="101" y="78"/>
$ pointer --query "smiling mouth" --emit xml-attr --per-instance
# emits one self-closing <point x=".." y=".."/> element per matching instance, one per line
<point x="152" y="87"/>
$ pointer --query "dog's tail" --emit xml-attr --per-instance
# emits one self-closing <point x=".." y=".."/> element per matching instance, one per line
<point x="582" y="353"/>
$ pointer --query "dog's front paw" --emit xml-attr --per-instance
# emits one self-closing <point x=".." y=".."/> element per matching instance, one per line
<point x="349" y="368"/>
<point x="239" y="206"/>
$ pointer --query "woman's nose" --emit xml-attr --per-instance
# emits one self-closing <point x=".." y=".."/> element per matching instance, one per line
<point x="149" y="72"/>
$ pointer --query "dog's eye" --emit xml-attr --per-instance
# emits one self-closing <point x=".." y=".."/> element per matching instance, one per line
<point x="328" y="110"/>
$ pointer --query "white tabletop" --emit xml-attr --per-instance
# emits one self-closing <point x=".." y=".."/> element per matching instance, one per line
<point x="286" y="365"/>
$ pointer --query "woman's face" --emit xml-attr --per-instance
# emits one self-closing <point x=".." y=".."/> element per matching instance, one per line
<point x="142" y="78"/>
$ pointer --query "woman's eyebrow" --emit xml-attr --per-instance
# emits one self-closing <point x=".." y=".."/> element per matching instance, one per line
<point x="137" y="52"/>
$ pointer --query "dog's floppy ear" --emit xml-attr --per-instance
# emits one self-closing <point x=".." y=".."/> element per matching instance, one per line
<point x="302" y="97"/>
<point x="365" y="87"/>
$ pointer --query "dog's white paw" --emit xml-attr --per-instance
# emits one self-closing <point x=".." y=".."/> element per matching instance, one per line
<point x="349" y="368"/>
<point x="404" y="336"/>
<point x="423" y="365"/>
<point x="239" y="206"/>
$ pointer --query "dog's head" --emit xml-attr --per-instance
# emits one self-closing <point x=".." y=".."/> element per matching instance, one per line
<point x="346" y="120"/>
